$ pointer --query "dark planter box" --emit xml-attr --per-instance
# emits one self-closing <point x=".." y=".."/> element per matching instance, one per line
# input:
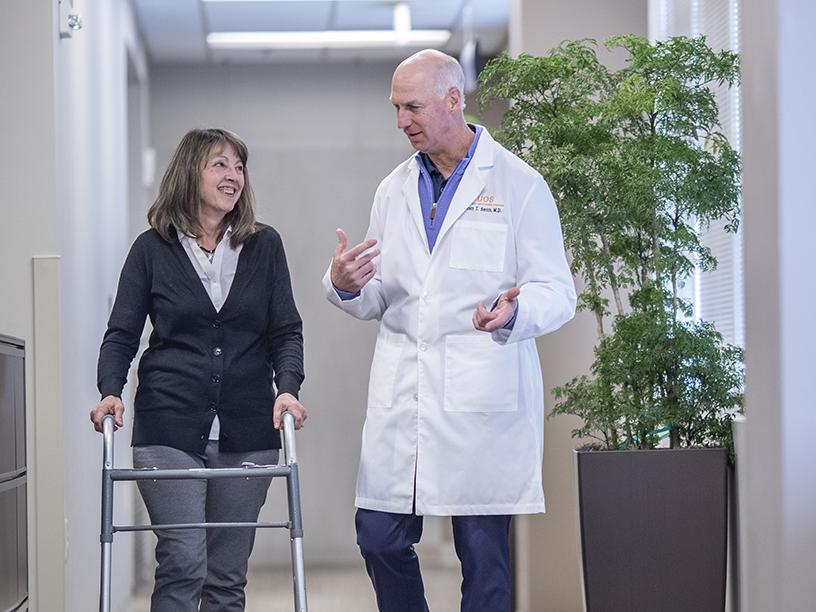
<point x="653" y="529"/>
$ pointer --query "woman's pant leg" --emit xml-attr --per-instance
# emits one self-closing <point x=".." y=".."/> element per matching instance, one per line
<point x="483" y="547"/>
<point x="181" y="554"/>
<point x="228" y="550"/>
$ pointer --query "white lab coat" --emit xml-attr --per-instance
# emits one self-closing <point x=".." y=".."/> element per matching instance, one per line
<point x="457" y="414"/>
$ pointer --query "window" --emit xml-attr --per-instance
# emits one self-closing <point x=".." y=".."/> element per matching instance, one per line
<point x="718" y="294"/>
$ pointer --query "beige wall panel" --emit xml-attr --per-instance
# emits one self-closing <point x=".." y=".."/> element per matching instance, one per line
<point x="548" y="574"/>
<point x="46" y="439"/>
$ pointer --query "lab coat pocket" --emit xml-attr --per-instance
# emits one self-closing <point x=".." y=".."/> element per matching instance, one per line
<point x="480" y="375"/>
<point x="477" y="245"/>
<point x="384" y="370"/>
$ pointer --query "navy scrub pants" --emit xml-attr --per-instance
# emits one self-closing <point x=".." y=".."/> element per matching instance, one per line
<point x="482" y="543"/>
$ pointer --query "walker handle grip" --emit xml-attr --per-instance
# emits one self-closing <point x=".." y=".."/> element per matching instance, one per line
<point x="289" y="437"/>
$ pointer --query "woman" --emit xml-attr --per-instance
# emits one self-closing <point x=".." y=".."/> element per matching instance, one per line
<point x="216" y="287"/>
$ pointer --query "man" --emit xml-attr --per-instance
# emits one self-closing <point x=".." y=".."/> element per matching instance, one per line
<point x="454" y="425"/>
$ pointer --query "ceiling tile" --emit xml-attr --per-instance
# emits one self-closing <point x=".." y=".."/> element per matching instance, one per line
<point x="425" y="14"/>
<point x="173" y="31"/>
<point x="263" y="16"/>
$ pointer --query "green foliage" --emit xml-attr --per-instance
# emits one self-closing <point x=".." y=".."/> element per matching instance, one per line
<point x="636" y="161"/>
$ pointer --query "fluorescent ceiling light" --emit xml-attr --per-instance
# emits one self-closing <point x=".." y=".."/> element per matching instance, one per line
<point x="327" y="39"/>
<point x="402" y="35"/>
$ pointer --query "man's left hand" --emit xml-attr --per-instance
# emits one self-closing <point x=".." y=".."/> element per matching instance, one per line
<point x="491" y="320"/>
<point x="287" y="402"/>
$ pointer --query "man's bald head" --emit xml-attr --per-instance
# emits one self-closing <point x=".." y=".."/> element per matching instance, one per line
<point x="439" y="70"/>
<point x="426" y="92"/>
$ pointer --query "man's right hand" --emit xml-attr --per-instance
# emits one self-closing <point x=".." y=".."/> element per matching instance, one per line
<point x="351" y="269"/>
<point x="110" y="404"/>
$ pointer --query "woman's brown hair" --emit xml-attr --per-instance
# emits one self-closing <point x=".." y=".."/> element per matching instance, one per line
<point x="178" y="202"/>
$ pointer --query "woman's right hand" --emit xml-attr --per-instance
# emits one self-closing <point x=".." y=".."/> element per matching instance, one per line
<point x="109" y="404"/>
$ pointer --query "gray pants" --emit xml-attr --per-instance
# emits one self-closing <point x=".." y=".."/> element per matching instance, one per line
<point x="201" y="570"/>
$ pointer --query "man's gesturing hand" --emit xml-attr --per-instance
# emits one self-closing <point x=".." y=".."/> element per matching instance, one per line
<point x="491" y="320"/>
<point x="352" y="268"/>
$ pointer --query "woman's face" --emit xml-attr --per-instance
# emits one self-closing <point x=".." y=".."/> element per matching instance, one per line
<point x="221" y="180"/>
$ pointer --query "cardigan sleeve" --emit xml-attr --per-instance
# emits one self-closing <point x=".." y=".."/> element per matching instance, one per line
<point x="285" y="331"/>
<point x="126" y="323"/>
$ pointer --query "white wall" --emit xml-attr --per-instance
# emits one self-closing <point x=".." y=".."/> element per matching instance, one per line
<point x="29" y="229"/>
<point x="320" y="139"/>
<point x="92" y="131"/>
<point x="63" y="114"/>
<point x="547" y="545"/>
<point x="780" y="501"/>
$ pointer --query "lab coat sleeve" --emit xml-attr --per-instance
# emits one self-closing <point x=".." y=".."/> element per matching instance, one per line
<point x="547" y="299"/>
<point x="371" y="303"/>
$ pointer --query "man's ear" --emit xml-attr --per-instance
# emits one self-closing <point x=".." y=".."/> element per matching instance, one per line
<point x="454" y="97"/>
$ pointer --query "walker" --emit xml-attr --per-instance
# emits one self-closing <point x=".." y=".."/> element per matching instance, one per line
<point x="249" y="470"/>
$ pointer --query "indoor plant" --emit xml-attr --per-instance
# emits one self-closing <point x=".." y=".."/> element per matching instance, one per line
<point x="639" y="170"/>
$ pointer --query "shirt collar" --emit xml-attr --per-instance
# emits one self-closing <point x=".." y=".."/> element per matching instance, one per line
<point x="425" y="162"/>
<point x="184" y="237"/>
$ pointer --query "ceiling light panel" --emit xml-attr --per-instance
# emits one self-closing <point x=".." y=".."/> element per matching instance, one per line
<point x="327" y="39"/>
<point x="272" y="16"/>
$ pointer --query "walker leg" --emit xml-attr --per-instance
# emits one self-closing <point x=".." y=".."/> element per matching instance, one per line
<point x="295" y="517"/>
<point x="298" y="574"/>
<point x="105" y="584"/>
<point x="106" y="533"/>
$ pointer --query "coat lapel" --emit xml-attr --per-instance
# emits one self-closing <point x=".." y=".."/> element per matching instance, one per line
<point x="471" y="185"/>
<point x="410" y="195"/>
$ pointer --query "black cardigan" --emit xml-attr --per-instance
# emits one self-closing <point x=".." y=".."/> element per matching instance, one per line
<point x="201" y="362"/>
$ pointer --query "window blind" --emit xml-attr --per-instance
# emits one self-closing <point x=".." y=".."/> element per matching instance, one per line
<point x="717" y="294"/>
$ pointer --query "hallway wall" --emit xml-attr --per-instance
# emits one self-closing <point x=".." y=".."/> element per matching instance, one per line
<point x="779" y="501"/>
<point x="320" y="137"/>
<point x="547" y="545"/>
<point x="93" y="202"/>
<point x="30" y="229"/>
<point x="63" y="112"/>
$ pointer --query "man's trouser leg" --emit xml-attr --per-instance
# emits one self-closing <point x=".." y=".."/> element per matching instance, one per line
<point x="483" y="546"/>
<point x="386" y="541"/>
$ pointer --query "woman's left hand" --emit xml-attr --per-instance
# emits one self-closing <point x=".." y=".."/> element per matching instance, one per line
<point x="287" y="402"/>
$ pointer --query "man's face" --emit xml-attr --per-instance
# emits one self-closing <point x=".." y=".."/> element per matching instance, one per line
<point x="422" y="115"/>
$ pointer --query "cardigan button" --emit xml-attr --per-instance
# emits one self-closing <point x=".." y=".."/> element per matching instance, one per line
<point x="203" y="436"/>
<point x="216" y="323"/>
<point x="216" y="379"/>
<point x="217" y="351"/>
